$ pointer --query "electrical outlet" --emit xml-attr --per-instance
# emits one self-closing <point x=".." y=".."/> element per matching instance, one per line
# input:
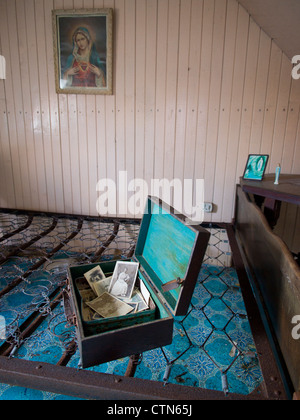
<point x="208" y="207"/>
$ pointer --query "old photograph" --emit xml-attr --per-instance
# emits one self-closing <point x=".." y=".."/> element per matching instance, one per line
<point x="102" y="286"/>
<point x="93" y="276"/>
<point x="109" y="307"/>
<point x="123" y="279"/>
<point x="138" y="299"/>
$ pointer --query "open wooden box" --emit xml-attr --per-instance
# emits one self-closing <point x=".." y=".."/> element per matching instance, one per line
<point x="170" y="252"/>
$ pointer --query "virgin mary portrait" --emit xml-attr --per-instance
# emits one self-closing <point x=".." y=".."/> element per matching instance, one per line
<point x="84" y="67"/>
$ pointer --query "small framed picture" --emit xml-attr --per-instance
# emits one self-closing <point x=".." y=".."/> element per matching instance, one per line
<point x="123" y="279"/>
<point x="255" y="167"/>
<point x="83" y="51"/>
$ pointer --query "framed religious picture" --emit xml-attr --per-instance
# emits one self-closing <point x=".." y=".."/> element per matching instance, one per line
<point x="255" y="167"/>
<point x="83" y="51"/>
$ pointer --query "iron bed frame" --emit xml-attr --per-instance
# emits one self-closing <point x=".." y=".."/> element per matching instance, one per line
<point x="65" y="380"/>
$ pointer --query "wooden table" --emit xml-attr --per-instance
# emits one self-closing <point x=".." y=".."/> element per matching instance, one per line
<point x="269" y="196"/>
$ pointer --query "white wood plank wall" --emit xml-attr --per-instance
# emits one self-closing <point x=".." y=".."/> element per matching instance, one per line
<point x="197" y="86"/>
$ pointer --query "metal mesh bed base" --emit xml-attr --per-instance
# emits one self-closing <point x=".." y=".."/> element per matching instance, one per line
<point x="37" y="248"/>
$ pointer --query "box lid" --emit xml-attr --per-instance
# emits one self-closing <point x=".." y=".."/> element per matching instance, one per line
<point x="171" y="252"/>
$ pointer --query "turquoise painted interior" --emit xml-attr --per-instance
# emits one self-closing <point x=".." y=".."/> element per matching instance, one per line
<point x="161" y="311"/>
<point x="164" y="249"/>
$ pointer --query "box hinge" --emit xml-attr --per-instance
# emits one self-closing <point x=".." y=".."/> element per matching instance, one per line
<point x="173" y="284"/>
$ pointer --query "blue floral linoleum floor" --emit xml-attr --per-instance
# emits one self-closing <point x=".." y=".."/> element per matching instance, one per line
<point x="215" y="337"/>
<point x="212" y="348"/>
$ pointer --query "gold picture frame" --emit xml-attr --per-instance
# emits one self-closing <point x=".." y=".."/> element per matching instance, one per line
<point x="83" y="51"/>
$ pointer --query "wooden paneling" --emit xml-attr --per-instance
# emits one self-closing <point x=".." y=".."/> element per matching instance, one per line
<point x="275" y="277"/>
<point x="288" y="226"/>
<point x="197" y="86"/>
